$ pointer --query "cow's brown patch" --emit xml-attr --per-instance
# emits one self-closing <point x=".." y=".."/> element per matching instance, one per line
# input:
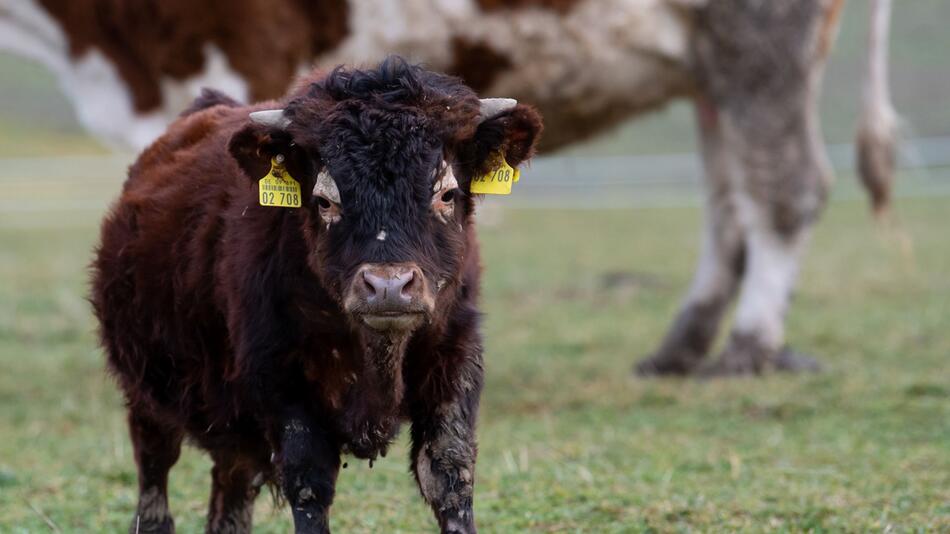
<point x="328" y="23"/>
<point x="265" y="41"/>
<point x="477" y="63"/>
<point x="561" y="6"/>
<point x="829" y="27"/>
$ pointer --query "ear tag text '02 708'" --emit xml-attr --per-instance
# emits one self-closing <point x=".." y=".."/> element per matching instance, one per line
<point x="278" y="188"/>
<point x="498" y="180"/>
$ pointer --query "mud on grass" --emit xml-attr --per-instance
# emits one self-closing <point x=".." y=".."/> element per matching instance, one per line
<point x="569" y="442"/>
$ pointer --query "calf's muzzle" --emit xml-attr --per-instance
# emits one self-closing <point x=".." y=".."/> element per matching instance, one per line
<point x="389" y="296"/>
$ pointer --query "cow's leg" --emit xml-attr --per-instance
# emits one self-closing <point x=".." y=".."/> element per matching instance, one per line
<point x="720" y="260"/>
<point x="766" y="101"/>
<point x="156" y="451"/>
<point x="443" y="451"/>
<point x="757" y="338"/>
<point x="235" y="482"/>
<point x="308" y="461"/>
<point x="780" y="192"/>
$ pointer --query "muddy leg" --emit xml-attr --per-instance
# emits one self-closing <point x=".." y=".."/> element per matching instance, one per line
<point x="309" y="462"/>
<point x="443" y="456"/>
<point x="156" y="451"/>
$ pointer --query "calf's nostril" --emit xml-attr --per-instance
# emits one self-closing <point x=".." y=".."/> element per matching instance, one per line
<point x="406" y="282"/>
<point x="371" y="284"/>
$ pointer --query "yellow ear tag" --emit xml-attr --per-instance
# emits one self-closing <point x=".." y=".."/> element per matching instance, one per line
<point x="497" y="181"/>
<point x="278" y="188"/>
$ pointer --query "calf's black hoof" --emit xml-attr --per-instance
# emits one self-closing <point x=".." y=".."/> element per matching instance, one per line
<point x="141" y="525"/>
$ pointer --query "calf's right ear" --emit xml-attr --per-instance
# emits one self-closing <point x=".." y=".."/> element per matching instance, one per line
<point x="263" y="137"/>
<point x="506" y="127"/>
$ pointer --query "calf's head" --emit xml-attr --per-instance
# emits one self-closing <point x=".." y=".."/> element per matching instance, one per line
<point x="385" y="158"/>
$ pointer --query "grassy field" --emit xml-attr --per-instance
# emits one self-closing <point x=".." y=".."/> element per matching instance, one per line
<point x="569" y="442"/>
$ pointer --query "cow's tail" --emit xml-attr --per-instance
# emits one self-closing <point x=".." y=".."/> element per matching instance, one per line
<point x="876" y="137"/>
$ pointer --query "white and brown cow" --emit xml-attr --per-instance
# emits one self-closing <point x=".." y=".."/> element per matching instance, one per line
<point x="752" y="67"/>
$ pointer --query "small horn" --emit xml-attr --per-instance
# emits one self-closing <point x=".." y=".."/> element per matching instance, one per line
<point x="493" y="106"/>
<point x="270" y="117"/>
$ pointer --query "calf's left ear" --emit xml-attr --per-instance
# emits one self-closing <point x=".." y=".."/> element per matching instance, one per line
<point x="263" y="137"/>
<point x="508" y="128"/>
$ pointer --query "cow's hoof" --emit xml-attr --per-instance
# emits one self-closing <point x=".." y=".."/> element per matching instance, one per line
<point x="727" y="366"/>
<point x="793" y="361"/>
<point x="743" y="356"/>
<point x="141" y="525"/>
<point x="665" y="365"/>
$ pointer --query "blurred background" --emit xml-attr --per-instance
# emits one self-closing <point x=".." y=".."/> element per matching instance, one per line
<point x="647" y="161"/>
<point x="570" y="442"/>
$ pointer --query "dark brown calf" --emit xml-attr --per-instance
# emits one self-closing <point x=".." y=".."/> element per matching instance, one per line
<point x="279" y="338"/>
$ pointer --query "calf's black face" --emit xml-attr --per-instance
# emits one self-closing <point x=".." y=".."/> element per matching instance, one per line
<point x="386" y="158"/>
<point x="393" y="238"/>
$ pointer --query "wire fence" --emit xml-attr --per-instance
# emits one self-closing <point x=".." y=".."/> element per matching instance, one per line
<point x="89" y="183"/>
<point x="676" y="179"/>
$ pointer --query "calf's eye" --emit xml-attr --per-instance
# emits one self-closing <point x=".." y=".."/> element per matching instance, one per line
<point x="327" y="197"/>
<point x="445" y="189"/>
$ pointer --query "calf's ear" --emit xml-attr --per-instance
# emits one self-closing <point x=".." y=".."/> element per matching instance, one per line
<point x="514" y="132"/>
<point x="263" y="137"/>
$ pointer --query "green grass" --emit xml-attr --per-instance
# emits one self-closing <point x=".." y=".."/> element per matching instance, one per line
<point x="569" y="442"/>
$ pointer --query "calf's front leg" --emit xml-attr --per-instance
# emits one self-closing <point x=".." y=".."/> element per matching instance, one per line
<point x="156" y="450"/>
<point x="309" y="461"/>
<point x="443" y="453"/>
